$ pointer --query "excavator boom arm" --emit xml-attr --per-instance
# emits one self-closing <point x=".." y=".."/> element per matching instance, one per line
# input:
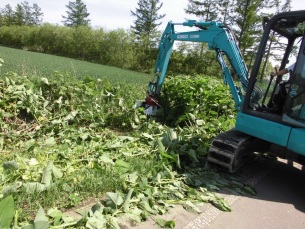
<point x="219" y="39"/>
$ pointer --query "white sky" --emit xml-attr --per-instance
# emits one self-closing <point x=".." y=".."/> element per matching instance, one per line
<point x="113" y="14"/>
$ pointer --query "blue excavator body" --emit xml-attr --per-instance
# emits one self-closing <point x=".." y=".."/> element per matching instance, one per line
<point x="271" y="109"/>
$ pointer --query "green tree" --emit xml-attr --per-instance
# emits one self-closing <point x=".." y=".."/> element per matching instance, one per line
<point x="146" y="32"/>
<point x="206" y="10"/>
<point x="36" y="15"/>
<point x="146" y="18"/>
<point x="32" y="15"/>
<point x="77" y="14"/>
<point x="275" y="45"/>
<point x="247" y="25"/>
<point x="24" y="14"/>
<point x="7" y="15"/>
<point x="19" y="15"/>
<point x="199" y="56"/>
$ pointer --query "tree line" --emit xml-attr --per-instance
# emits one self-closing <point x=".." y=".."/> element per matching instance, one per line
<point x="136" y="49"/>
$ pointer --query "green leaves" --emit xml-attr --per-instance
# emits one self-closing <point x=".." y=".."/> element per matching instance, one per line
<point x="201" y="101"/>
<point x="63" y="145"/>
<point x="41" y="220"/>
<point x="145" y="205"/>
<point x="47" y="174"/>
<point x="121" y="166"/>
<point x="113" y="200"/>
<point x="10" y="165"/>
<point x="7" y="211"/>
<point x="166" y="224"/>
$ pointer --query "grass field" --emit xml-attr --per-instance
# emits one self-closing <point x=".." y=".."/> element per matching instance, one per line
<point x="43" y="65"/>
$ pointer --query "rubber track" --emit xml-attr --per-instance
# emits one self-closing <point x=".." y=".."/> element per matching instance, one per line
<point x="230" y="150"/>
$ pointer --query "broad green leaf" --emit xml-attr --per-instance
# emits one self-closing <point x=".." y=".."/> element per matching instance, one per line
<point x="32" y="187"/>
<point x="6" y="190"/>
<point x="116" y="145"/>
<point x="183" y="148"/>
<point x="161" y="222"/>
<point x="132" y="177"/>
<point x="7" y="115"/>
<point x="161" y="147"/>
<point x="193" y="156"/>
<point x="172" y="175"/>
<point x="97" y="207"/>
<point x="166" y="224"/>
<point x="148" y="136"/>
<point x="121" y="166"/>
<point x="67" y="218"/>
<point x="50" y="141"/>
<point x="57" y="172"/>
<point x="47" y="174"/>
<point x="71" y="116"/>
<point x="172" y="134"/>
<point x="97" y="221"/>
<point x="144" y="204"/>
<point x="41" y="220"/>
<point x="59" y="100"/>
<point x="45" y="104"/>
<point x="112" y="222"/>
<point x="12" y="165"/>
<point x="221" y="204"/>
<point x="54" y="212"/>
<point x="105" y="159"/>
<point x="189" y="205"/>
<point x="135" y="214"/>
<point x="42" y="225"/>
<point x="113" y="200"/>
<point x="1" y="142"/>
<point x="126" y="203"/>
<point x="205" y="198"/>
<point x="201" y="151"/>
<point x="29" y="143"/>
<point x="179" y="195"/>
<point x="7" y="211"/>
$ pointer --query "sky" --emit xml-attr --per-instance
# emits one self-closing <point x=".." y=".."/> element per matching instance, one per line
<point x="114" y="14"/>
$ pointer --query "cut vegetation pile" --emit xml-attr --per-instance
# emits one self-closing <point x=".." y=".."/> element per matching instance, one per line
<point x="64" y="140"/>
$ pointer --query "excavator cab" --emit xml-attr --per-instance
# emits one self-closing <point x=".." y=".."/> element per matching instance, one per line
<point x="294" y="107"/>
<point x="283" y="96"/>
<point x="272" y="118"/>
<point x="277" y="118"/>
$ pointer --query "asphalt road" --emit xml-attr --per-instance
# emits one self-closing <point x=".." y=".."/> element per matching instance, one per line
<point x="279" y="204"/>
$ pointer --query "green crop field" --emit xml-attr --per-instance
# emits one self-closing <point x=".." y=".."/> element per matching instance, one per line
<point x="43" y="65"/>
